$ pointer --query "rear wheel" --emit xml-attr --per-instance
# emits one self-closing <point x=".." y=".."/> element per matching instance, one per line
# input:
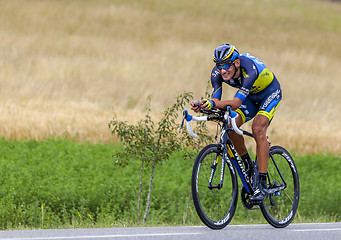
<point x="214" y="203"/>
<point x="280" y="207"/>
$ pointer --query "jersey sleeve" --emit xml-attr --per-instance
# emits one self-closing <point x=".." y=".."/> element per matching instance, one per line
<point x="250" y="74"/>
<point x="216" y="81"/>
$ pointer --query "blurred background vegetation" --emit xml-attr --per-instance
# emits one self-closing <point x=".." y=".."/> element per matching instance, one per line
<point x="66" y="66"/>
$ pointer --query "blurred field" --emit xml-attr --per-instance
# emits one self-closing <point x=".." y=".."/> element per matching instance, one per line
<point x="66" y="66"/>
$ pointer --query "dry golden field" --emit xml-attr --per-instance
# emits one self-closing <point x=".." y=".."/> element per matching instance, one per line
<point x="66" y="66"/>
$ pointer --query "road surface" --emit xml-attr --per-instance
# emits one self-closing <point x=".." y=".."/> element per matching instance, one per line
<point x="316" y="231"/>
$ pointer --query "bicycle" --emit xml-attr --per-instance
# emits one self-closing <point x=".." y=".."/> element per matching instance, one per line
<point x="215" y="195"/>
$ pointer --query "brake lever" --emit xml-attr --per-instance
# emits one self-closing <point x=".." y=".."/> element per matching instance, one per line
<point x="183" y="119"/>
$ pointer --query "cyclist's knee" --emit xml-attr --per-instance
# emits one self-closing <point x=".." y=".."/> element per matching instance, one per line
<point x="259" y="129"/>
<point x="239" y="120"/>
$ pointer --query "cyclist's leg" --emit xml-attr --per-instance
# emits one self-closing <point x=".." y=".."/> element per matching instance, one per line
<point x="238" y="140"/>
<point x="245" y="112"/>
<point x="260" y="125"/>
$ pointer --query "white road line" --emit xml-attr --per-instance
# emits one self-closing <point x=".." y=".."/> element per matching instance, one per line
<point x="103" y="236"/>
<point x="316" y="230"/>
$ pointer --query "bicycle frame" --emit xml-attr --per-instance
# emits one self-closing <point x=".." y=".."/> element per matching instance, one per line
<point x="230" y="156"/>
<point x="278" y="208"/>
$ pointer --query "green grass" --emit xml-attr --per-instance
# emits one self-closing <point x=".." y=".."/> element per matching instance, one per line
<point x="56" y="183"/>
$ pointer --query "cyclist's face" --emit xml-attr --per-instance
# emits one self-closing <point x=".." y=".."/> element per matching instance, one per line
<point x="227" y="70"/>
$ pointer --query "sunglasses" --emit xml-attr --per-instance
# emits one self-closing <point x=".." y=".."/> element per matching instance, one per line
<point x="225" y="66"/>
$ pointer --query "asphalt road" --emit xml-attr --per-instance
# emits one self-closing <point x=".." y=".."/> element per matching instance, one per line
<point x="326" y="231"/>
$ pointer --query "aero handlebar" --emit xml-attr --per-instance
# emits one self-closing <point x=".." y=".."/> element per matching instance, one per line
<point x="229" y="116"/>
<point x="188" y="119"/>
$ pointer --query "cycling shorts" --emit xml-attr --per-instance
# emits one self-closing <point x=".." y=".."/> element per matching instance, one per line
<point x="263" y="103"/>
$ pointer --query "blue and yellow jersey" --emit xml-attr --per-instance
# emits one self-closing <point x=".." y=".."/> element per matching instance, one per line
<point x="254" y="78"/>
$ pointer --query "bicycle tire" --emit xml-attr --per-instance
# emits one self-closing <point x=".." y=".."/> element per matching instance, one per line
<point x="215" y="207"/>
<point x="279" y="208"/>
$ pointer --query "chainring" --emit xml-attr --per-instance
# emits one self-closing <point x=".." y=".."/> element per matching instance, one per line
<point x="245" y="199"/>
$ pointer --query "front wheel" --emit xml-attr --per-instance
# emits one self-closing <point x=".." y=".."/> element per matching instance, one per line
<point x="215" y="200"/>
<point x="280" y="207"/>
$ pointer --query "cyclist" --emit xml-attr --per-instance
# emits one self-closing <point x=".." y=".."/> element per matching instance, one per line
<point x="259" y="95"/>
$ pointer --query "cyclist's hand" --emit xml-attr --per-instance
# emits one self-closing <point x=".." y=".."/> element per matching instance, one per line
<point x="208" y="104"/>
<point x="195" y="106"/>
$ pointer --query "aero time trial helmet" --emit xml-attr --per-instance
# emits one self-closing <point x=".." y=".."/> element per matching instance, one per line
<point x="224" y="53"/>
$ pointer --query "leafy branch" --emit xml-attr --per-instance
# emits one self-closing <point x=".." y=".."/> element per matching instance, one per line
<point x="154" y="142"/>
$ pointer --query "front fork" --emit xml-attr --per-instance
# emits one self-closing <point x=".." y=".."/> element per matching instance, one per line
<point x="225" y="157"/>
<point x="214" y="165"/>
<point x="229" y="158"/>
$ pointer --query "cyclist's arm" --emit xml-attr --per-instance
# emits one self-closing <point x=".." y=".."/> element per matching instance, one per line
<point x="216" y="81"/>
<point x="234" y="103"/>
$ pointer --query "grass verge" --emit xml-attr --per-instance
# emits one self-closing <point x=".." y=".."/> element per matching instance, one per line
<point x="57" y="183"/>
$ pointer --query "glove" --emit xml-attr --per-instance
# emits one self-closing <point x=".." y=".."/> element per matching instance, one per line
<point x="209" y="104"/>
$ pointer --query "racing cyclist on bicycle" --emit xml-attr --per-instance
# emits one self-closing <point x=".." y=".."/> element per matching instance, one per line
<point x="259" y="95"/>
